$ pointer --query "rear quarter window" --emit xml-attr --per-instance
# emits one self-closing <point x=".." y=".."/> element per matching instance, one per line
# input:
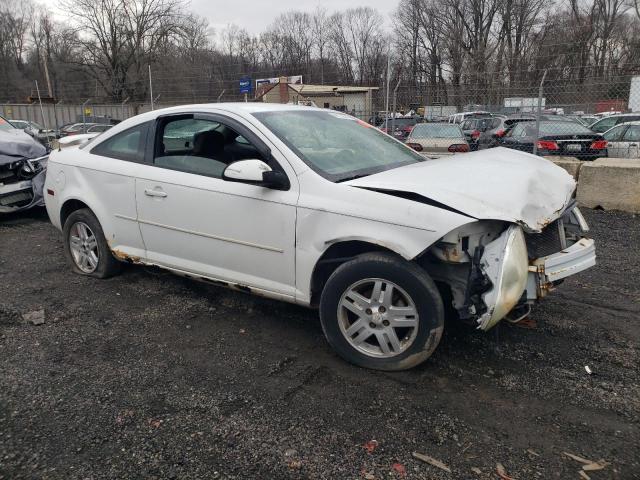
<point x="128" y="145"/>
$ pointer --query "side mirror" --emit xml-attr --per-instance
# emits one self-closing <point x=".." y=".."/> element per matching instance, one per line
<point x="255" y="172"/>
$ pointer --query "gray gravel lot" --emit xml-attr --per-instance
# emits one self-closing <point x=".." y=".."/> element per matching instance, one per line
<point x="148" y="375"/>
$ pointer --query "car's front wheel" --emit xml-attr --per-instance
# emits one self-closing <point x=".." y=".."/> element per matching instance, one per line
<point x="382" y="312"/>
<point x="86" y="248"/>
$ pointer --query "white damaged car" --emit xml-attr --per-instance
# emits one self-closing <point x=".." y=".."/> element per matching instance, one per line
<point x="318" y="208"/>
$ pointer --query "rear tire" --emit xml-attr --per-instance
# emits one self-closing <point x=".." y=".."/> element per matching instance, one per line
<point x="85" y="246"/>
<point x="382" y="312"/>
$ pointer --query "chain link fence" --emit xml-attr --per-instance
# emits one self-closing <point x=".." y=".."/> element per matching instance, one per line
<point x="591" y="119"/>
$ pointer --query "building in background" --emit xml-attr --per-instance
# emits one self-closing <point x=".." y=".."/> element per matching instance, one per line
<point x="357" y="101"/>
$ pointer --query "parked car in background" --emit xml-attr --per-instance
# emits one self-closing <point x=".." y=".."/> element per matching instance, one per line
<point x="317" y="208"/>
<point x="585" y="120"/>
<point x="623" y="141"/>
<point x="35" y="130"/>
<point x="99" y="128"/>
<point x="557" y="138"/>
<point x="611" y="121"/>
<point x="462" y="116"/>
<point x="401" y="126"/>
<point x="74" y="129"/>
<point x="437" y="139"/>
<point x="23" y="163"/>
<point x="480" y="130"/>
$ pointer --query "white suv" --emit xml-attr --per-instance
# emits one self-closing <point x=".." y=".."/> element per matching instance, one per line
<point x="318" y="208"/>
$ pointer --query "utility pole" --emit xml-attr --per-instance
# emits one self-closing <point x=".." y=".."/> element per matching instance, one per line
<point x="46" y="76"/>
<point x="44" y="122"/>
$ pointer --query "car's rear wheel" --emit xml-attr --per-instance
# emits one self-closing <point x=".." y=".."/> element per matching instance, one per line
<point x="86" y="248"/>
<point x="380" y="311"/>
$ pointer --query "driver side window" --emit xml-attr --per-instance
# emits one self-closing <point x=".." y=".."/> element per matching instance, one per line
<point x="199" y="146"/>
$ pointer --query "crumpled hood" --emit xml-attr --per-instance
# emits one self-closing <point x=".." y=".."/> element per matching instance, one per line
<point x="15" y="145"/>
<point x="493" y="184"/>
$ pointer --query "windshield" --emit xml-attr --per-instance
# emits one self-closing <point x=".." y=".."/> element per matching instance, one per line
<point x="558" y="128"/>
<point x="337" y="146"/>
<point x="436" y="130"/>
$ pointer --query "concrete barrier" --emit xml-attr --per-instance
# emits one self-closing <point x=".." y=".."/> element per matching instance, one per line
<point x="570" y="164"/>
<point x="610" y="183"/>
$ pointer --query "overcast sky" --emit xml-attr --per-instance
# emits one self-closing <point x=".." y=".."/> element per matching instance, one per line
<point x="255" y="15"/>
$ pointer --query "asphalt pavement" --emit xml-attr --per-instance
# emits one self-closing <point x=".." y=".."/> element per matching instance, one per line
<point x="148" y="375"/>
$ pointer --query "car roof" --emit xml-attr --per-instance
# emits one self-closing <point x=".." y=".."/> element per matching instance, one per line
<point x="239" y="108"/>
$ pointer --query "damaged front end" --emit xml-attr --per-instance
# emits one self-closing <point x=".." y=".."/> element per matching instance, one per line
<point x="23" y="164"/>
<point x="496" y="269"/>
<point x="21" y="184"/>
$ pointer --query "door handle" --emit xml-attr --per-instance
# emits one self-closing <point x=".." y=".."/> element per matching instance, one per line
<point x="633" y="145"/>
<point x="155" y="193"/>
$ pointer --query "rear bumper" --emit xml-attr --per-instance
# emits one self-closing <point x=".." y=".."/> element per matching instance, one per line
<point x="544" y="272"/>
<point x="586" y="155"/>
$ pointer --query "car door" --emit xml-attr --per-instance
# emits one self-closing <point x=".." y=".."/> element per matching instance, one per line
<point x="631" y="142"/>
<point x="194" y="221"/>
<point x="107" y="181"/>
<point x="613" y="137"/>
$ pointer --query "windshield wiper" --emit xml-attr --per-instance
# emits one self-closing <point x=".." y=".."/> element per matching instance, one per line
<point x="353" y="177"/>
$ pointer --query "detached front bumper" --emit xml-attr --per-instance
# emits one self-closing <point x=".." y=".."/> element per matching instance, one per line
<point x="544" y="272"/>
<point x="519" y="275"/>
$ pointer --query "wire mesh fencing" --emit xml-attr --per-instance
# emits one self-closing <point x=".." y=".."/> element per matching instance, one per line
<point x="590" y="118"/>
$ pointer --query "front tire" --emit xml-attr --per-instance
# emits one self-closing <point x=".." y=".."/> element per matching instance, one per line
<point x="85" y="246"/>
<point x="382" y="312"/>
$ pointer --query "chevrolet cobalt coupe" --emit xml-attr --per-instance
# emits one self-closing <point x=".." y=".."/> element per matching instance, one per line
<point x="318" y="208"/>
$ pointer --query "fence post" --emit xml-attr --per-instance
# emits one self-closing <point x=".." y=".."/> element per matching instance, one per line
<point x="540" y="93"/>
<point x="393" y="119"/>
<point x="386" y="104"/>
<point x="84" y="122"/>
<point x="150" y="88"/>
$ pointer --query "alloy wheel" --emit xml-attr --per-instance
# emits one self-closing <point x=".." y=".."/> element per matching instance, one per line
<point x="378" y="318"/>
<point x="84" y="247"/>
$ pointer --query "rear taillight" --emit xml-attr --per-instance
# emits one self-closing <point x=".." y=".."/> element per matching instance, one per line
<point x="416" y="146"/>
<point x="598" y="145"/>
<point x="407" y="129"/>
<point x="458" y="148"/>
<point x="475" y="134"/>
<point x="500" y="133"/>
<point x="547" y="145"/>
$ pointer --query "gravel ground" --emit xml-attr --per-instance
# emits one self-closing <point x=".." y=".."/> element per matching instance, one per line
<point x="147" y="375"/>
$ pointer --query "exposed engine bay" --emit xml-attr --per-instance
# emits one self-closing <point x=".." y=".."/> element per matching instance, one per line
<point x="494" y="269"/>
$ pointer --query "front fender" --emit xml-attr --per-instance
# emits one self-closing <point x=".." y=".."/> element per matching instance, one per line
<point x="318" y="230"/>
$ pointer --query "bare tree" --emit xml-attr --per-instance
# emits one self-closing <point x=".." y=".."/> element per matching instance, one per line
<point x="117" y="38"/>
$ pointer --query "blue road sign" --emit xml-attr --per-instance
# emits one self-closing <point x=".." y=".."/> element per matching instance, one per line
<point x="245" y="85"/>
